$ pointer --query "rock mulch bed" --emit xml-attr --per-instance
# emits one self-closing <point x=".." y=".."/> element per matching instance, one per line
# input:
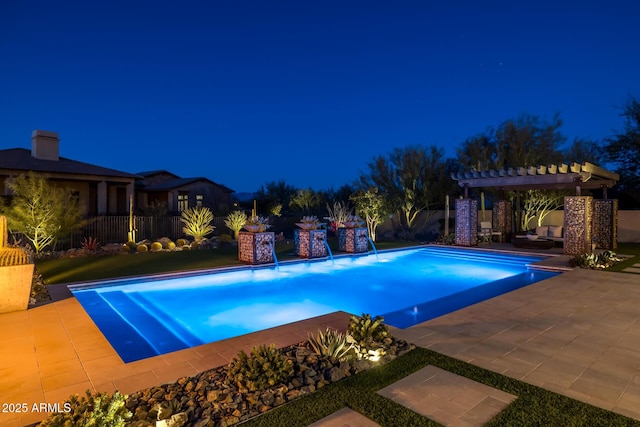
<point x="212" y="399"/>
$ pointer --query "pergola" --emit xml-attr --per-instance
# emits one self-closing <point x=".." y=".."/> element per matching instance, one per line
<point x="582" y="215"/>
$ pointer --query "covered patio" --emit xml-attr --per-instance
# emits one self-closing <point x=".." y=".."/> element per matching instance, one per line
<point x="584" y="217"/>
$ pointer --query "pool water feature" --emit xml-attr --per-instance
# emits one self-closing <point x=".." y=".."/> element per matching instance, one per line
<point x="145" y="317"/>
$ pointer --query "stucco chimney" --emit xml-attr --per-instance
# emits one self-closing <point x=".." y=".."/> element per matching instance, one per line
<point x="45" y="145"/>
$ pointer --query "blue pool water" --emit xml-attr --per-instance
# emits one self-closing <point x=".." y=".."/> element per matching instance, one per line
<point x="148" y="317"/>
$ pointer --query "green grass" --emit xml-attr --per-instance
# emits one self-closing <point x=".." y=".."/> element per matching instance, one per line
<point x="626" y="249"/>
<point x="82" y="269"/>
<point x="534" y="406"/>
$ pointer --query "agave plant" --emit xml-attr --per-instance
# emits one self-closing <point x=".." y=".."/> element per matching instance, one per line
<point x="261" y="222"/>
<point x="332" y="343"/>
<point x="197" y="222"/>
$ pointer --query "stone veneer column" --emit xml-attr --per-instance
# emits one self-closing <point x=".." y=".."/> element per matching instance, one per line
<point x="311" y="243"/>
<point x="255" y="248"/>
<point x="577" y="224"/>
<point x="354" y="240"/>
<point x="501" y="218"/>
<point x="605" y="223"/>
<point x="466" y="222"/>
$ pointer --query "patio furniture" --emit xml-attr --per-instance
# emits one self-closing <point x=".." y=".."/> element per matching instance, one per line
<point x="487" y="232"/>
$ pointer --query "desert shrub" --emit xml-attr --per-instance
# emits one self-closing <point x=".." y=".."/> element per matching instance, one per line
<point x="594" y="261"/>
<point x="142" y="248"/>
<point x="171" y="246"/>
<point x="332" y="343"/>
<point x="181" y="242"/>
<point x="194" y="245"/>
<point x="156" y="247"/>
<point x="266" y="367"/>
<point x="101" y="409"/>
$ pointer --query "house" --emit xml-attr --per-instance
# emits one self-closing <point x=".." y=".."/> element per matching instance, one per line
<point x="101" y="191"/>
<point x="164" y="192"/>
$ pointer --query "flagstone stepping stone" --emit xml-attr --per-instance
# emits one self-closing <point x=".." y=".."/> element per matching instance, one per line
<point x="448" y="398"/>
<point x="345" y="417"/>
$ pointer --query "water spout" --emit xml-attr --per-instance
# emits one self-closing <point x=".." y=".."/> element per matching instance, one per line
<point x="329" y="250"/>
<point x="375" y="251"/>
<point x="273" y="251"/>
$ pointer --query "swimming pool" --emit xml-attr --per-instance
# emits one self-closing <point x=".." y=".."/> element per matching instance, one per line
<point x="145" y="317"/>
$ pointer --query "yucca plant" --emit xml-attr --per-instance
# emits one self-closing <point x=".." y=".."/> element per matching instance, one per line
<point x="197" y="222"/>
<point x="235" y="221"/>
<point x="332" y="343"/>
<point x="339" y="213"/>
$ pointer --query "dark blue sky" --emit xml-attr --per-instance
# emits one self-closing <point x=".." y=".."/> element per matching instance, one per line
<point x="246" y="92"/>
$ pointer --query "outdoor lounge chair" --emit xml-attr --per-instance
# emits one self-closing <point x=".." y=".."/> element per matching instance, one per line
<point x="487" y="232"/>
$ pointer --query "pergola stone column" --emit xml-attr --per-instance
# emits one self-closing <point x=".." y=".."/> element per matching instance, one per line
<point x="578" y="217"/>
<point x="501" y="219"/>
<point x="466" y="222"/>
<point x="605" y="223"/>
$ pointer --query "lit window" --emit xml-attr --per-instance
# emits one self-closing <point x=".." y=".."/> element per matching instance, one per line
<point x="183" y="201"/>
<point x="199" y="199"/>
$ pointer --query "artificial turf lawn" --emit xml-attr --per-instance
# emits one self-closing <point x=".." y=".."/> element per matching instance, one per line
<point x="534" y="406"/>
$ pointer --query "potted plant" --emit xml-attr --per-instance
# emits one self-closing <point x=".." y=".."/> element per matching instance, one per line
<point x="256" y="224"/>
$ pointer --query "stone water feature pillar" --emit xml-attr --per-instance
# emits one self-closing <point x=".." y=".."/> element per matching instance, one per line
<point x="578" y="216"/>
<point x="256" y="248"/>
<point x="502" y="220"/>
<point x="354" y="240"/>
<point x="605" y="223"/>
<point x="466" y="222"/>
<point x="311" y="243"/>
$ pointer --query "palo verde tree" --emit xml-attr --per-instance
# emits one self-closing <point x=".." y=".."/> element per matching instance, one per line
<point x="304" y="199"/>
<point x="273" y="193"/>
<point x="623" y="150"/>
<point x="40" y="211"/>
<point x="411" y="180"/>
<point x="372" y="207"/>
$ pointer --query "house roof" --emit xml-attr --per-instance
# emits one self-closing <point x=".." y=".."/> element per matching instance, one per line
<point x="21" y="159"/>
<point x="171" y="184"/>
<point x="147" y="174"/>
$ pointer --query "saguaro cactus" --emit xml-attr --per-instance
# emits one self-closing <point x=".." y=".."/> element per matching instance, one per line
<point x="4" y="236"/>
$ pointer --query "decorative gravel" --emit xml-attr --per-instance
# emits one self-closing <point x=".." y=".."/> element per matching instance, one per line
<point x="212" y="399"/>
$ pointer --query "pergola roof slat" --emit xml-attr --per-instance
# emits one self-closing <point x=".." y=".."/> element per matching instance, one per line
<point x="552" y="176"/>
